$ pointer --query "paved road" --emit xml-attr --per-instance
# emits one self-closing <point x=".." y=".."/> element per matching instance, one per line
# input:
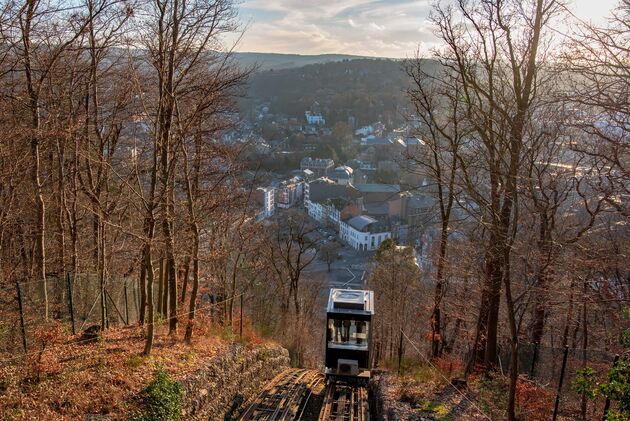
<point x="349" y="271"/>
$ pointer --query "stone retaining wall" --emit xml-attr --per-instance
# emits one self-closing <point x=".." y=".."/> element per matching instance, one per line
<point x="232" y="379"/>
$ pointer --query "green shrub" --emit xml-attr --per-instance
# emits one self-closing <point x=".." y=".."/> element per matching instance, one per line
<point x="584" y="382"/>
<point x="618" y="389"/>
<point x="162" y="398"/>
<point x="617" y="386"/>
<point x="437" y="408"/>
<point x="134" y="361"/>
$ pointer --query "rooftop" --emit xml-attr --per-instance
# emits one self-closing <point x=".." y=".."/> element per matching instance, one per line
<point x="324" y="188"/>
<point x="351" y="301"/>
<point x="376" y="208"/>
<point x="375" y="141"/>
<point x="378" y="188"/>
<point x="318" y="161"/>
<point x="343" y="171"/>
<point x="361" y="222"/>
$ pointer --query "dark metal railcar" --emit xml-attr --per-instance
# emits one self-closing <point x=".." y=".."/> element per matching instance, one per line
<point x="348" y="332"/>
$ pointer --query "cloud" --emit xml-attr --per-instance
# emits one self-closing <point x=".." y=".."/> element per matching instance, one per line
<point x="377" y="27"/>
<point x="384" y="28"/>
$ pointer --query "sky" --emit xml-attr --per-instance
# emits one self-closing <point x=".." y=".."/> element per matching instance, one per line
<point x="381" y="28"/>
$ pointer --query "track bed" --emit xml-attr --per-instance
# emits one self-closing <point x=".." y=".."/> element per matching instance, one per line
<point x="345" y="402"/>
<point x="285" y="398"/>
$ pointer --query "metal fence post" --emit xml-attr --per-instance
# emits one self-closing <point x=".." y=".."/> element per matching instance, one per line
<point x="607" y="405"/>
<point x="400" y="349"/>
<point x="22" y="327"/>
<point x="70" y="302"/>
<point x="564" y="366"/>
<point x="126" y="304"/>
<point x="240" y="329"/>
<point x="213" y="301"/>
<point x="534" y="358"/>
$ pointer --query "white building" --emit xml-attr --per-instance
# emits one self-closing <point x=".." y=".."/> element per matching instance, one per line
<point x="364" y="131"/>
<point x="314" y="119"/>
<point x="316" y="211"/>
<point x="325" y="213"/>
<point x="265" y="197"/>
<point x="363" y="233"/>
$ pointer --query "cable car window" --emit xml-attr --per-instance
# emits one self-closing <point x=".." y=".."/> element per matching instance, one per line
<point x="348" y="333"/>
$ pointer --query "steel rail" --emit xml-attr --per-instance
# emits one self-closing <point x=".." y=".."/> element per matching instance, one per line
<point x="345" y="402"/>
<point x="284" y="398"/>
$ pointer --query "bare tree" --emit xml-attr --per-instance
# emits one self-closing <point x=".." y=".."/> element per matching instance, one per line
<point x="292" y="250"/>
<point x="329" y="252"/>
<point x="435" y="97"/>
<point x="396" y="284"/>
<point x="597" y="88"/>
<point x="36" y="45"/>
<point x="179" y="38"/>
<point x="495" y="52"/>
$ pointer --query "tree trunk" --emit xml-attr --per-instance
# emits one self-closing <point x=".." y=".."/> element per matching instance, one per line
<point x="191" y="189"/>
<point x="61" y="203"/>
<point x="511" y="409"/>
<point x="567" y="323"/>
<point x="185" y="279"/>
<point x="39" y="254"/>
<point x="583" y="406"/>
<point x="101" y="274"/>
<point x="542" y="282"/>
<point x="142" y="284"/>
<point x="495" y="275"/>
<point x="195" y="285"/>
<point x="148" y="345"/>
<point x="172" y="295"/>
<point x="160" y="286"/>
<point x="436" y="322"/>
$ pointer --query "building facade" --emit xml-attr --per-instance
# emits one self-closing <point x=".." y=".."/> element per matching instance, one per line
<point x="314" y="119"/>
<point x="363" y="233"/>
<point x="290" y="193"/>
<point x="265" y="197"/>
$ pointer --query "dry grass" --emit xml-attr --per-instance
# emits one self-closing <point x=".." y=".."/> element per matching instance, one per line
<point x="68" y="380"/>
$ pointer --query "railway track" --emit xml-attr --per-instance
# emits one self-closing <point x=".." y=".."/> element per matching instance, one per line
<point x="285" y="398"/>
<point x="344" y="402"/>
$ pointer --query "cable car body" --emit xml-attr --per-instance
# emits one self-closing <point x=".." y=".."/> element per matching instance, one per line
<point x="348" y="334"/>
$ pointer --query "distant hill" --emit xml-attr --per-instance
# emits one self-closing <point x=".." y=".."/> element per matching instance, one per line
<point x="367" y="90"/>
<point x="268" y="61"/>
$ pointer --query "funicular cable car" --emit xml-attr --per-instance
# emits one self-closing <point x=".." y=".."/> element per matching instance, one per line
<point x="348" y="320"/>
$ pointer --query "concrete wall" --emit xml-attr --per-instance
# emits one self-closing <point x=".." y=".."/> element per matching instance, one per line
<point x="230" y="381"/>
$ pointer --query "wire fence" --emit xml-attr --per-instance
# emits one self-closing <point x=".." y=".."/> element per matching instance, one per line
<point x="74" y="301"/>
<point x="556" y="369"/>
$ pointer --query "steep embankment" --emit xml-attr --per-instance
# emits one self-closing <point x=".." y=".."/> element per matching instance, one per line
<point x="60" y="379"/>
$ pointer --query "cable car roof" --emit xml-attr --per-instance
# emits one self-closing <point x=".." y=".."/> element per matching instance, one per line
<point x="355" y="301"/>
